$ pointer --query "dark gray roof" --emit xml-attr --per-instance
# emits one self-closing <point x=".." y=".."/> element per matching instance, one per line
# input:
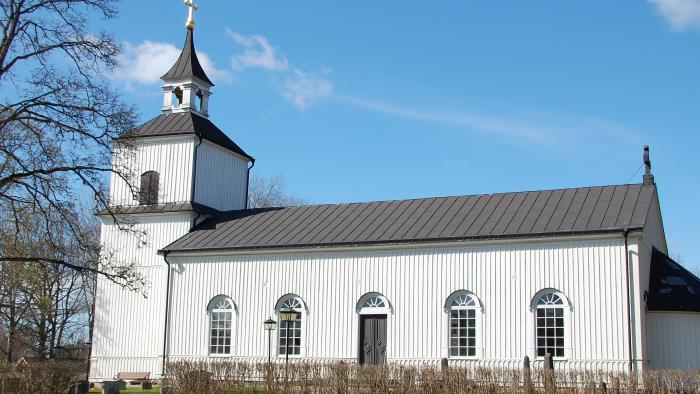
<point x="161" y="208"/>
<point x="491" y="216"/>
<point x="187" y="65"/>
<point x="671" y="287"/>
<point x="185" y="123"/>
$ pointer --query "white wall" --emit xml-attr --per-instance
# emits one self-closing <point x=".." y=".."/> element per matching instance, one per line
<point x="171" y="158"/>
<point x="673" y="340"/>
<point x="654" y="229"/>
<point x="221" y="178"/>
<point x="640" y="264"/>
<point x="128" y="335"/>
<point x="417" y="283"/>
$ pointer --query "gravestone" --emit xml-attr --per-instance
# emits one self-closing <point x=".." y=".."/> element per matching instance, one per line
<point x="111" y="387"/>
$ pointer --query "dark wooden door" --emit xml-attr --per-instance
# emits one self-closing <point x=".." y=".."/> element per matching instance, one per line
<point x="372" y="339"/>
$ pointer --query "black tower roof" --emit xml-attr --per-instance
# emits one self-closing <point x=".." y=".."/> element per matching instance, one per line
<point x="187" y="65"/>
<point x="185" y="123"/>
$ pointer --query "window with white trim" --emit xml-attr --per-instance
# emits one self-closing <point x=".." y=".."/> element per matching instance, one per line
<point x="549" y="325"/>
<point x="462" y="311"/>
<point x="294" y="327"/>
<point x="220" y="325"/>
<point x="375" y="301"/>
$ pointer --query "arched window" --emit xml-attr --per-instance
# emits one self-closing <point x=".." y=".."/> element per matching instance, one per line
<point x="373" y="304"/>
<point x="177" y="98"/>
<point x="220" y="325"/>
<point x="549" y="323"/>
<point x="462" y="308"/>
<point x="149" y="188"/>
<point x="290" y="329"/>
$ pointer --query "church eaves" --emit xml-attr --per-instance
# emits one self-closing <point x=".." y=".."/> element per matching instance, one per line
<point x="187" y="65"/>
<point x="534" y="214"/>
<point x="185" y="123"/>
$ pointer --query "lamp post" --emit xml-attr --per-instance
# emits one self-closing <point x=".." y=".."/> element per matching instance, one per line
<point x="270" y="326"/>
<point x="289" y="316"/>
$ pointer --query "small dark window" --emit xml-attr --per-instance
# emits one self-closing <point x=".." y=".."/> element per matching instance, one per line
<point x="200" y="100"/>
<point x="177" y="97"/>
<point x="149" y="188"/>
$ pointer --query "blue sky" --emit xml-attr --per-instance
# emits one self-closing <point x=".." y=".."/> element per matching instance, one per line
<point x="375" y="100"/>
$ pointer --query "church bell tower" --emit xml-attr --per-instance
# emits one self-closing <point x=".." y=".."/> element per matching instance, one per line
<point x="186" y="86"/>
<point x="179" y="169"/>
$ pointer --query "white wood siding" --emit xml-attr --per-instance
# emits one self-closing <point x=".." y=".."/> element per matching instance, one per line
<point x="171" y="158"/>
<point x="416" y="282"/>
<point x="221" y="178"/>
<point x="654" y="229"/>
<point x="640" y="262"/>
<point x="128" y="335"/>
<point x="673" y="340"/>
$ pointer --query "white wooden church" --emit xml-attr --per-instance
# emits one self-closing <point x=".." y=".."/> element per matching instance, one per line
<point x="480" y="280"/>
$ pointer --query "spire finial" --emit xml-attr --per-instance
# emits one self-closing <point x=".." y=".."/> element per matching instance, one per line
<point x="190" y="19"/>
<point x="648" y="177"/>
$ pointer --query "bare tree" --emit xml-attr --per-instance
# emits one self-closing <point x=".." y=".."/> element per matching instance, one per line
<point x="45" y="305"/>
<point x="270" y="192"/>
<point x="58" y="120"/>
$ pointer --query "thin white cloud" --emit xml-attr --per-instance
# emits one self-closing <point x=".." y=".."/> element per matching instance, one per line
<point x="534" y="126"/>
<point x="680" y="14"/>
<point x="145" y="63"/>
<point x="258" y="53"/>
<point x="301" y="88"/>
<point x="304" y="90"/>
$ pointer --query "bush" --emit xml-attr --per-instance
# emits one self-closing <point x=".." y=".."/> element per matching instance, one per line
<point x="41" y="377"/>
<point x="340" y="377"/>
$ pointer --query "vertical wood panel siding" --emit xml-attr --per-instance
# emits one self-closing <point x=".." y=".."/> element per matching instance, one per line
<point x="171" y="159"/>
<point x="221" y="178"/>
<point x="673" y="340"/>
<point x="417" y="283"/>
<point x="128" y="333"/>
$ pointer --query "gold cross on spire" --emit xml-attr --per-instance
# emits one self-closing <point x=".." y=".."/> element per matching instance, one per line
<point x="190" y="19"/>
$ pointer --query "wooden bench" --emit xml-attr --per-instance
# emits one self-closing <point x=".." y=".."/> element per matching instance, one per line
<point x="134" y="377"/>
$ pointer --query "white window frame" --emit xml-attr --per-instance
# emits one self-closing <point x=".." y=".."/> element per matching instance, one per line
<point x="478" y="322"/>
<point x="221" y="304"/>
<point x="299" y="306"/>
<point x="373" y="303"/>
<point x="566" y="306"/>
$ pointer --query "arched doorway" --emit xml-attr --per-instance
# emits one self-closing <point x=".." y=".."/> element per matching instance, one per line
<point x="373" y="309"/>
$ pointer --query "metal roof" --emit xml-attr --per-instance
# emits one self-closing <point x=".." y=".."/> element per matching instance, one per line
<point x="544" y="213"/>
<point x="185" y="123"/>
<point x="671" y="287"/>
<point x="160" y="208"/>
<point x="187" y="65"/>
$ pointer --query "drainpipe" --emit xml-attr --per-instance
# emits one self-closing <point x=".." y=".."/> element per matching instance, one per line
<point x="92" y="329"/>
<point x="194" y="166"/>
<point x="167" y="313"/>
<point x="247" y="183"/>
<point x="194" y="176"/>
<point x="625" y="233"/>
